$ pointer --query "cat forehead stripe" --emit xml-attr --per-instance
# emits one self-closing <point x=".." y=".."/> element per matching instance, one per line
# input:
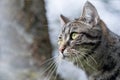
<point x="75" y="23"/>
<point x="85" y="23"/>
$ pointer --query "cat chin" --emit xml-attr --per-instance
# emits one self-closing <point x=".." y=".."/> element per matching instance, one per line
<point x="65" y="57"/>
<point x="70" y="57"/>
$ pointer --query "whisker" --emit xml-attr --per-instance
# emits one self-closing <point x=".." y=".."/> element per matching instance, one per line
<point x="93" y="59"/>
<point x="76" y="60"/>
<point x="51" y="71"/>
<point x="56" y="66"/>
<point x="48" y="60"/>
<point x="54" y="71"/>
<point x="87" y="62"/>
<point x="72" y="58"/>
<point x="44" y="71"/>
<point x="82" y="66"/>
<point x="55" y="75"/>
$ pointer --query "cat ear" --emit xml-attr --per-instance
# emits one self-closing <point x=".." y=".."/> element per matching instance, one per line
<point x="90" y="14"/>
<point x="63" y="19"/>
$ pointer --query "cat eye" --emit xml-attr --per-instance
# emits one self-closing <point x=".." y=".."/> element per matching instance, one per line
<point x="74" y="35"/>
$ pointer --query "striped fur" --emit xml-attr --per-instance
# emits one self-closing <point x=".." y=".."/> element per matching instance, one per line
<point x="95" y="50"/>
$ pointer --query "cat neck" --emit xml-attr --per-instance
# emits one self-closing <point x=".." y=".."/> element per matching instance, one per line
<point x="103" y="58"/>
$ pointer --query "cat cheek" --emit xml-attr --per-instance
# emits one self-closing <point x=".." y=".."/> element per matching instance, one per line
<point x="72" y="43"/>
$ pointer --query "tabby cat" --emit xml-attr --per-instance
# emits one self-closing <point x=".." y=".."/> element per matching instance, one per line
<point x="90" y="45"/>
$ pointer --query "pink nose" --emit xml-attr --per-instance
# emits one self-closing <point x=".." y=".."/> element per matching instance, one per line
<point x="61" y="49"/>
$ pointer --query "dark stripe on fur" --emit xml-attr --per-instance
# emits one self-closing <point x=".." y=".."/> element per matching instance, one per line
<point x="109" y="65"/>
<point x="92" y="52"/>
<point x="90" y="36"/>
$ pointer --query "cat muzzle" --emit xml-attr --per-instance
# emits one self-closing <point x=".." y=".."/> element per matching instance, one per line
<point x="61" y="49"/>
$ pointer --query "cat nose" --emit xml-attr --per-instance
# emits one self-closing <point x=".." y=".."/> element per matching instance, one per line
<point x="61" y="49"/>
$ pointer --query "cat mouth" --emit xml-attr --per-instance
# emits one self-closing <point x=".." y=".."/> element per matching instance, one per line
<point x="69" y="55"/>
<point x="66" y="55"/>
<point x="72" y="54"/>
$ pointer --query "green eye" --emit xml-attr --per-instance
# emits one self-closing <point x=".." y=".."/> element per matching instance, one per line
<point x="74" y="35"/>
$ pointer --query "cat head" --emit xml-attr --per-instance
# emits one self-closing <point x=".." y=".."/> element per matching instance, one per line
<point x="81" y="36"/>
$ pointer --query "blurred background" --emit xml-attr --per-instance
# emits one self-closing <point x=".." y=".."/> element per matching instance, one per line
<point x="28" y="35"/>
